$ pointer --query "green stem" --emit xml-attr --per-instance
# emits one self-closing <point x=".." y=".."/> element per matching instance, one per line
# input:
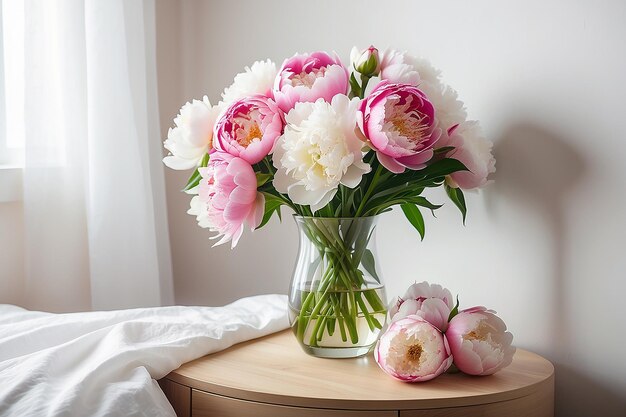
<point x="302" y="319"/>
<point x="268" y="165"/>
<point x="350" y="319"/>
<point x="374" y="300"/>
<point x="338" y="316"/>
<point x="320" y="325"/>
<point x="338" y="300"/>
<point x="364" y="80"/>
<point x="366" y="314"/>
<point x="370" y="190"/>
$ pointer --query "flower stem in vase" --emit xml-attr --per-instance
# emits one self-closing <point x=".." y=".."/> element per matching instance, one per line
<point x="340" y="304"/>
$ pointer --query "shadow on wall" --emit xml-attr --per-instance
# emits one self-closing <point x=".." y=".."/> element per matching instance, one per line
<point x="588" y="397"/>
<point x="538" y="169"/>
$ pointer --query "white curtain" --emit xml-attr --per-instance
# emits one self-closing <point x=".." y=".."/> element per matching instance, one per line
<point x="94" y="195"/>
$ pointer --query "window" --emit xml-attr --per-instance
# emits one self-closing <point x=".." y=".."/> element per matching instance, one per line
<point x="11" y="84"/>
<point x="11" y="99"/>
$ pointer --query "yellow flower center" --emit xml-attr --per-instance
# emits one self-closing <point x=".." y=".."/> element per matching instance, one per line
<point x="411" y="127"/>
<point x="253" y="133"/>
<point x="414" y="353"/>
<point x="481" y="332"/>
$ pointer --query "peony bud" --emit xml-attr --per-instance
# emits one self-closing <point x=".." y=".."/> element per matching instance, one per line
<point x="366" y="62"/>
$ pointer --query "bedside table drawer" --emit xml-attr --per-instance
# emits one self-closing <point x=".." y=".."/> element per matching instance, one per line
<point x="204" y="404"/>
<point x="537" y="404"/>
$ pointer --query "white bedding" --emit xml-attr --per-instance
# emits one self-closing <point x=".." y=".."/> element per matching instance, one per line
<point x="106" y="363"/>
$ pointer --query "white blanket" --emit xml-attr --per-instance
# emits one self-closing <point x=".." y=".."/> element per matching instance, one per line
<point x="106" y="363"/>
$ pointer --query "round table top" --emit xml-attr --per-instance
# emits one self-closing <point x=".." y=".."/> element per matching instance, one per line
<point x="274" y="369"/>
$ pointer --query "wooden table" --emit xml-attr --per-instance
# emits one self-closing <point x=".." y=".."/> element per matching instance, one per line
<point x="271" y="376"/>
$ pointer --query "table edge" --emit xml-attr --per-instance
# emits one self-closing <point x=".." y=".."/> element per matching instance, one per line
<point x="543" y="380"/>
<point x="345" y="404"/>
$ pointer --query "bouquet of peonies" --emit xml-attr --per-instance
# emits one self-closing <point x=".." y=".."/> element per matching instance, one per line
<point x="427" y="334"/>
<point x="328" y="142"/>
<point x="316" y="139"/>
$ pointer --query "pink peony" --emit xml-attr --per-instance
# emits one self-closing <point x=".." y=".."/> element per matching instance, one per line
<point x="400" y="124"/>
<point x="413" y="350"/>
<point x="228" y="197"/>
<point x="431" y="302"/>
<point x="479" y="341"/>
<point x="403" y="68"/>
<point x="307" y="77"/>
<point x="474" y="151"/>
<point x="248" y="128"/>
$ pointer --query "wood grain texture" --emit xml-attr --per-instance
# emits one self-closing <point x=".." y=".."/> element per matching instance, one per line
<point x="211" y="405"/>
<point x="275" y="370"/>
<point x="178" y="395"/>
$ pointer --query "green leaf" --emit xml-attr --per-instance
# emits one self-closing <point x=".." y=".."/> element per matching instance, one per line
<point x="457" y="197"/>
<point x="431" y="176"/>
<point x="193" y="181"/>
<point x="272" y="205"/>
<point x="455" y="310"/>
<point x="205" y="160"/>
<point x="442" y="168"/>
<point x="369" y="264"/>
<point x="423" y="202"/>
<point x="354" y="86"/>
<point x="195" y="178"/>
<point x="443" y="149"/>
<point x="382" y="206"/>
<point x="262" y="178"/>
<point x="403" y="188"/>
<point x="414" y="216"/>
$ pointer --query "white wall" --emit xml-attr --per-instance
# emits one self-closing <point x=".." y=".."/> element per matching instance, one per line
<point x="543" y="246"/>
<point x="11" y="252"/>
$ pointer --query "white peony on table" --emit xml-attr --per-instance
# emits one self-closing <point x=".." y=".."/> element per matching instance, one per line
<point x="272" y="376"/>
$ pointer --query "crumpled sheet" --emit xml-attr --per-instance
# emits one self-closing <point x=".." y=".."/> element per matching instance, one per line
<point x="106" y="363"/>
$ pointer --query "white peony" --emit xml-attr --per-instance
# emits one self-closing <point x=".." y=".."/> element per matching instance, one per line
<point x="400" y="67"/>
<point x="449" y="109"/>
<point x="474" y="151"/>
<point x="200" y="209"/>
<point x="318" y="151"/>
<point x="471" y="147"/>
<point x="258" y="79"/>
<point x="192" y="137"/>
<point x="395" y="68"/>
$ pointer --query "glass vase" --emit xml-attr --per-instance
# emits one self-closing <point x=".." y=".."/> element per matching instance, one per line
<point x="337" y="302"/>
